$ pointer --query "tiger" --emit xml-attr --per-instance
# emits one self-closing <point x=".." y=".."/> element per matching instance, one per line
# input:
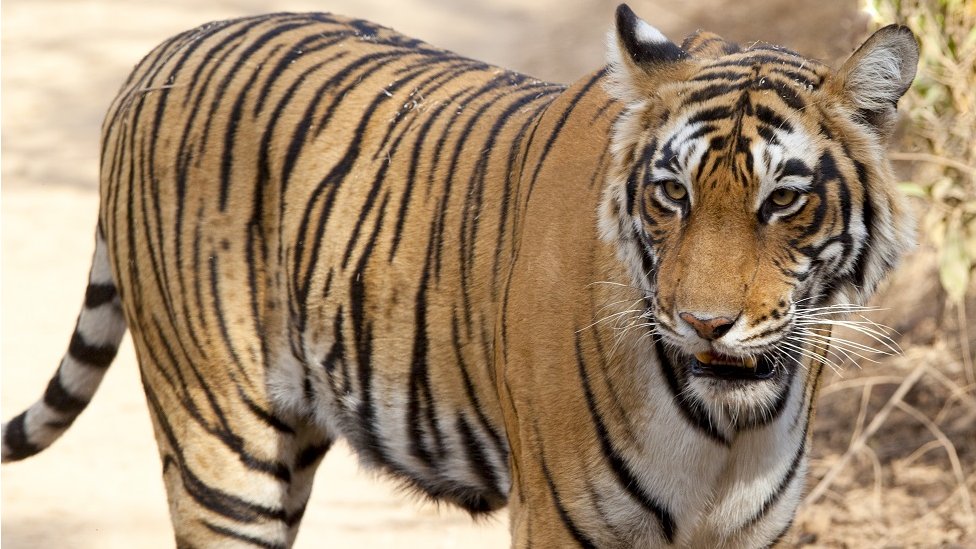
<point x="606" y="306"/>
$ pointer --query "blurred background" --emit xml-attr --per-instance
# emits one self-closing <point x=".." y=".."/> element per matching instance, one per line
<point x="894" y="454"/>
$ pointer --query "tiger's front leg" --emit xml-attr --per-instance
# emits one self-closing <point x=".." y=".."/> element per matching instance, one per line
<point x="564" y="494"/>
<point x="539" y="516"/>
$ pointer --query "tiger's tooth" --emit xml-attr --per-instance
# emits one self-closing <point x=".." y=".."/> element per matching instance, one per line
<point x="704" y="358"/>
<point x="750" y="362"/>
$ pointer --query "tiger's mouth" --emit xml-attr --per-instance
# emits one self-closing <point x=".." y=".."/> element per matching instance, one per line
<point x="731" y="368"/>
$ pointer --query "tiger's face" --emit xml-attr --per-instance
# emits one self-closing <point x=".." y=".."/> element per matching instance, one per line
<point x="742" y="220"/>
<point x="753" y="199"/>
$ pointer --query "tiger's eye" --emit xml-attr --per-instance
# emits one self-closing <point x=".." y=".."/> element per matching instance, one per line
<point x="782" y="198"/>
<point x="675" y="191"/>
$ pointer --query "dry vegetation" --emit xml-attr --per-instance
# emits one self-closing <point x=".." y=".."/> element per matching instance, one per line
<point x="894" y="461"/>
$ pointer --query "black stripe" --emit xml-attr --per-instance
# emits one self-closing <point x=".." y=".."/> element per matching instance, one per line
<point x="825" y="172"/>
<point x="295" y="516"/>
<point x="469" y="390"/>
<point x="99" y="294"/>
<point x="472" y="209"/>
<point x="581" y="539"/>
<point x="810" y="84"/>
<point x="688" y="408"/>
<point x="634" y="177"/>
<point x="363" y="337"/>
<point x="265" y="416"/>
<point x="15" y="439"/>
<point x="297" y="50"/>
<point x="218" y="310"/>
<point x="504" y="79"/>
<point x="311" y="455"/>
<point x="784" y="483"/>
<point x="337" y="352"/>
<point x="380" y="177"/>
<point x="630" y="483"/>
<point x="419" y="382"/>
<point x="419" y="140"/>
<point x="709" y="115"/>
<point x="750" y="58"/>
<point x="478" y="462"/>
<point x="859" y="273"/>
<point x="219" y="98"/>
<point x="809" y="391"/>
<point x="275" y="469"/>
<point x="213" y="499"/>
<point x="709" y="74"/>
<point x="341" y="383"/>
<point x="237" y="536"/>
<point x="795" y="167"/>
<point x="99" y="356"/>
<point x="770" y="117"/>
<point x="713" y="91"/>
<point x="603" y="108"/>
<point x="56" y="396"/>
<point x="557" y="130"/>
<point x="791" y="472"/>
<point x="787" y="94"/>
<point x="161" y="368"/>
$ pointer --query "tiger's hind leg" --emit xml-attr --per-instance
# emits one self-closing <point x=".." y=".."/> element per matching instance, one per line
<point x="309" y="446"/>
<point x="236" y="474"/>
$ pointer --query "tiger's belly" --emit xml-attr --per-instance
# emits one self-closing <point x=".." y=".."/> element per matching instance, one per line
<point x="392" y="363"/>
<point x="403" y="420"/>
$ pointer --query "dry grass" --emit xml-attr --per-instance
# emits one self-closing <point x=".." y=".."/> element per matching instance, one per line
<point x="903" y="472"/>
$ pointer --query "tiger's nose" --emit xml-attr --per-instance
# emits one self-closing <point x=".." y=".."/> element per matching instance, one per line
<point x="708" y="328"/>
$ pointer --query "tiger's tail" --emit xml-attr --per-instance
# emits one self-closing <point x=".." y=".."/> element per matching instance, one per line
<point x="95" y="341"/>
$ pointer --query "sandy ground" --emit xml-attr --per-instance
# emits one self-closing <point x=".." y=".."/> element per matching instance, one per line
<point x="62" y="61"/>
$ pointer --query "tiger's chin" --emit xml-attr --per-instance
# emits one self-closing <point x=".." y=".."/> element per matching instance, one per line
<point x="746" y="391"/>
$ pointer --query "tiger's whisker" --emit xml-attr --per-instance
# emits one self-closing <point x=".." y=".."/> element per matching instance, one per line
<point x="846" y="343"/>
<point x="836" y="350"/>
<point x="876" y="335"/>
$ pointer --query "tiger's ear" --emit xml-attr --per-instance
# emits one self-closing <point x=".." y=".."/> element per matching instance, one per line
<point x="636" y="53"/>
<point x="878" y="74"/>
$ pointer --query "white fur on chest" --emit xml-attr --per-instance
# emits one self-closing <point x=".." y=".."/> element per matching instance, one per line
<point x="713" y="492"/>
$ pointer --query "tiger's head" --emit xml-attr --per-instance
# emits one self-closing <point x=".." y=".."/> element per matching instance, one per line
<point x="750" y="197"/>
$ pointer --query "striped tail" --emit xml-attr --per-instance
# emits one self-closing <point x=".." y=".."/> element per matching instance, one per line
<point x="96" y="339"/>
